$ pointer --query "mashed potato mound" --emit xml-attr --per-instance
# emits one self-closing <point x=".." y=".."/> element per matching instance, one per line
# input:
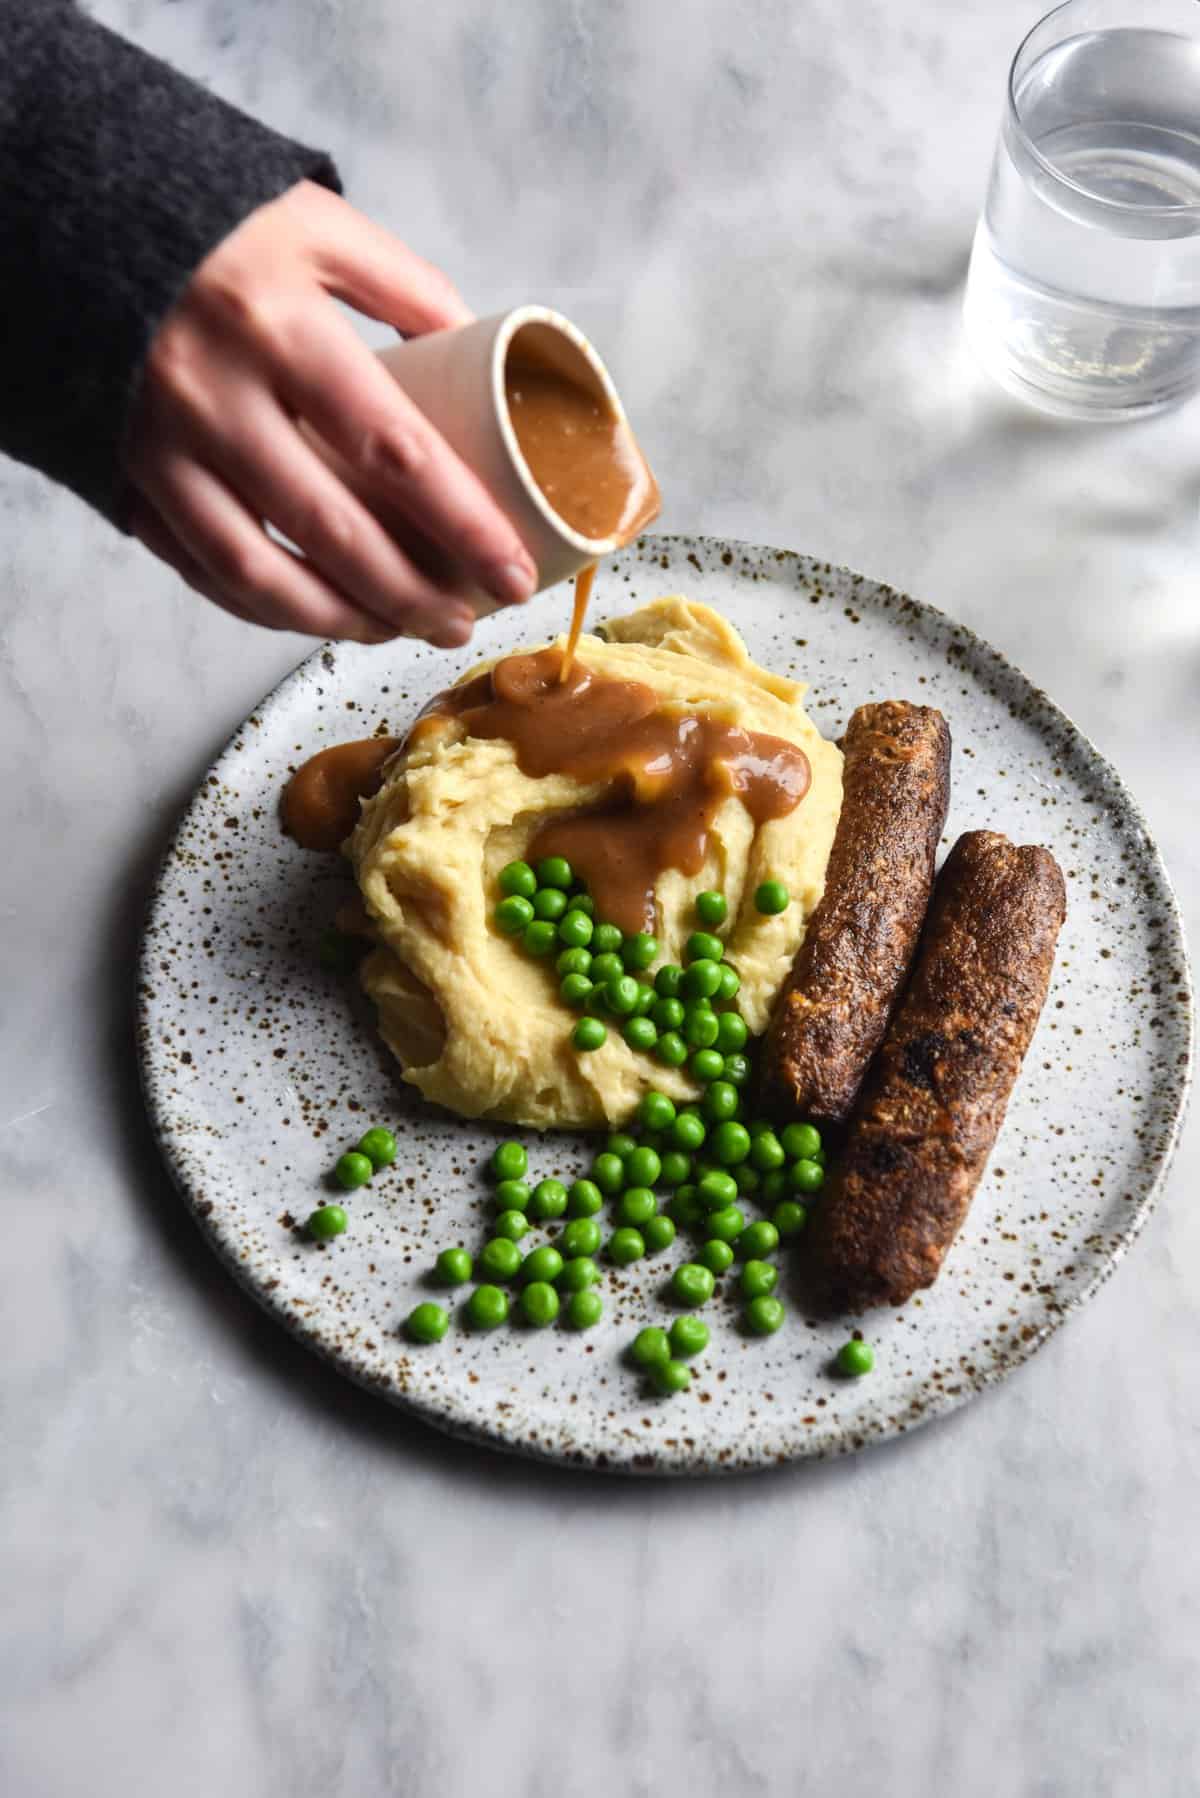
<point x="477" y="1024"/>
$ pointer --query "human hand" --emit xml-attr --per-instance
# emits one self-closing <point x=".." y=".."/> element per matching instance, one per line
<point x="251" y="353"/>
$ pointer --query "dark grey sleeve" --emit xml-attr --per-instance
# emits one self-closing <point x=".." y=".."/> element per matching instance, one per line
<point x="117" y="176"/>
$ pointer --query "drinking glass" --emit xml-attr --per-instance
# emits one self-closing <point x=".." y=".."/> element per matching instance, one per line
<point x="1083" y="295"/>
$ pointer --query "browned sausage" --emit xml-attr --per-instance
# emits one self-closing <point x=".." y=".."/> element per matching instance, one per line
<point x="935" y="1098"/>
<point x="832" y="1012"/>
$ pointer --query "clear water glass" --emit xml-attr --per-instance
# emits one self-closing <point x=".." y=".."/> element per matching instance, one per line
<point x="1083" y="295"/>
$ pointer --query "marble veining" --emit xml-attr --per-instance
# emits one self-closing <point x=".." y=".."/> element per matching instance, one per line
<point x="224" y="1568"/>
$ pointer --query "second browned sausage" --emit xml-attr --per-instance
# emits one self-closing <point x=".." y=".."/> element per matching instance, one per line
<point x="834" y="1007"/>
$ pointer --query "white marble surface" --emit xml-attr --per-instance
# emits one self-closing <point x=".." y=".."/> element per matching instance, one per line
<point x="225" y="1571"/>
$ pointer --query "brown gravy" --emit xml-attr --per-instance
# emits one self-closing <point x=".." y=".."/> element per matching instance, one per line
<point x="670" y="771"/>
<point x="320" y="803"/>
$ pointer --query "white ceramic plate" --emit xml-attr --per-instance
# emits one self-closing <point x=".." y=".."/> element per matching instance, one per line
<point x="260" y="1069"/>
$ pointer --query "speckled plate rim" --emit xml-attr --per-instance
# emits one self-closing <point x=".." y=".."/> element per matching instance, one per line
<point x="833" y="1442"/>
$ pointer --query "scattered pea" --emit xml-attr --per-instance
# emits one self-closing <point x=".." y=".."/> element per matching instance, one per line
<point x="730" y="983"/>
<point x="855" y="1357"/>
<point x="326" y="1222"/>
<point x="706" y="1065"/>
<point x="509" y="1161"/>
<point x="606" y="966"/>
<point x="518" y="878"/>
<point x="427" y="1323"/>
<point x="555" y="871"/>
<point x="640" y="950"/>
<point x="499" y="1258"/>
<point x="640" y="1034"/>
<point x="716" y="1256"/>
<point x="626" y="1245"/>
<point x="675" y="1168"/>
<point x="671" y="1049"/>
<point x="549" y="903"/>
<point x="716" y="1189"/>
<point x="539" y="938"/>
<point x="688" y="1336"/>
<point x="775" y="1186"/>
<point x="692" y="1284"/>
<point x="727" y="1224"/>
<point x="575" y="990"/>
<point x="622" y="995"/>
<point x="757" y="1241"/>
<point x="622" y="1143"/>
<point x="736" y="1070"/>
<point x="580" y="1237"/>
<point x="487" y="1308"/>
<point x="513" y="1224"/>
<point x="353" y="1169"/>
<point x="730" y="1142"/>
<point x="658" y="1233"/>
<point x="758" y="1278"/>
<point x="721" y="1102"/>
<point x="581" y="1271"/>
<point x="511" y="1195"/>
<point x="576" y="929"/>
<point x="656" y="1111"/>
<point x="543" y="1263"/>
<point x="701" y="980"/>
<point x="606" y="939"/>
<point x="650" y="1347"/>
<point x="711" y="907"/>
<point x="701" y="1027"/>
<point x="583" y="902"/>
<point x="574" y="961"/>
<point x="645" y="999"/>
<point x="584" y="1308"/>
<point x="668" y="980"/>
<point x="671" y="1376"/>
<point x="667" y="1014"/>
<point x="807" y="1176"/>
<point x="643" y="1167"/>
<point x="764" y="1315"/>
<point x="732" y="1032"/>
<point x="547" y="1200"/>
<point x="771" y="898"/>
<point x="800" y="1141"/>
<point x="766" y="1150"/>
<point x="748" y="1178"/>
<point x="636" y="1205"/>
<point x="584" y="1198"/>
<point x="685" y="1209"/>
<point x="789" y="1218"/>
<point x="608" y="1172"/>
<point x="589" y="1034"/>
<point x="701" y="946"/>
<point x="688" y="1132"/>
<point x="453" y="1267"/>
<point x="539" y="1303"/>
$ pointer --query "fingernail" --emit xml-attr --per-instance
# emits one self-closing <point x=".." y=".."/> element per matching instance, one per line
<point x="512" y="583"/>
<point x="453" y="629"/>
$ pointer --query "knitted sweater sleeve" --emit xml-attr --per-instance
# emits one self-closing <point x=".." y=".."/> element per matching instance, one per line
<point x="117" y="176"/>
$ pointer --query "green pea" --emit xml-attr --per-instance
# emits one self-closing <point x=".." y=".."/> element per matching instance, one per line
<point x="671" y="1049"/>
<point x="668" y="980"/>
<point x="736" y="1070"/>
<point x="608" y="1172"/>
<point x="789" y="1218"/>
<point x="716" y="1189"/>
<point x="732" y="1032"/>
<point x="584" y="1309"/>
<point x="575" y="990"/>
<point x="555" y="871"/>
<point x="518" y="878"/>
<point x="748" y="1178"/>
<point x="607" y="939"/>
<point x="757" y="1241"/>
<point x="353" y="1169"/>
<point x="716" y="1256"/>
<point x="688" y="1132"/>
<point x="758" y="1278"/>
<point x="513" y="914"/>
<point x="539" y="938"/>
<point x="640" y="950"/>
<point x="775" y="1186"/>
<point x="727" y="1224"/>
<point x="326" y="1222"/>
<point x="667" y="1014"/>
<point x="658" y="1233"/>
<point x="548" y="902"/>
<point x="583" y="902"/>
<point x="589" y="1034"/>
<point x="766" y="1150"/>
<point x="721" y="1101"/>
<point x="621" y="994"/>
<point x="487" y="1308"/>
<point x="800" y="1141"/>
<point x="640" y="1034"/>
<point x="539" y="1303"/>
<point x="580" y="1237"/>
<point x="650" y="1347"/>
<point x="771" y="898"/>
<point x="427" y="1323"/>
<point x="730" y="983"/>
<point x="626" y="1245"/>
<point x="513" y="1224"/>
<point x="576" y="929"/>
<point x="584" y="1198"/>
<point x="656" y="1111"/>
<point x="701" y="980"/>
<point x="670" y="1377"/>
<point x="711" y="907"/>
<point x="620" y="1142"/>
<point x="646" y="999"/>
<point x="675" y="1168"/>
<point x="643" y="1167"/>
<point x="730" y="1143"/>
<point x="577" y="1273"/>
<point x="692" y="1284"/>
<point x="635" y="1205"/>
<point x="763" y="1315"/>
<point x="509" y="1161"/>
<point x="807" y="1176"/>
<point x="706" y="1065"/>
<point x="379" y="1147"/>
<point x="547" y="1200"/>
<point x="574" y="961"/>
<point x="499" y="1258"/>
<point x="701" y="946"/>
<point x="701" y="1027"/>
<point x="688" y="1337"/>
<point x="511" y="1195"/>
<point x="453" y="1267"/>
<point x="855" y="1357"/>
<point x="543" y="1263"/>
<point x="606" y="967"/>
<point x="685" y="1209"/>
<point x="338" y="952"/>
